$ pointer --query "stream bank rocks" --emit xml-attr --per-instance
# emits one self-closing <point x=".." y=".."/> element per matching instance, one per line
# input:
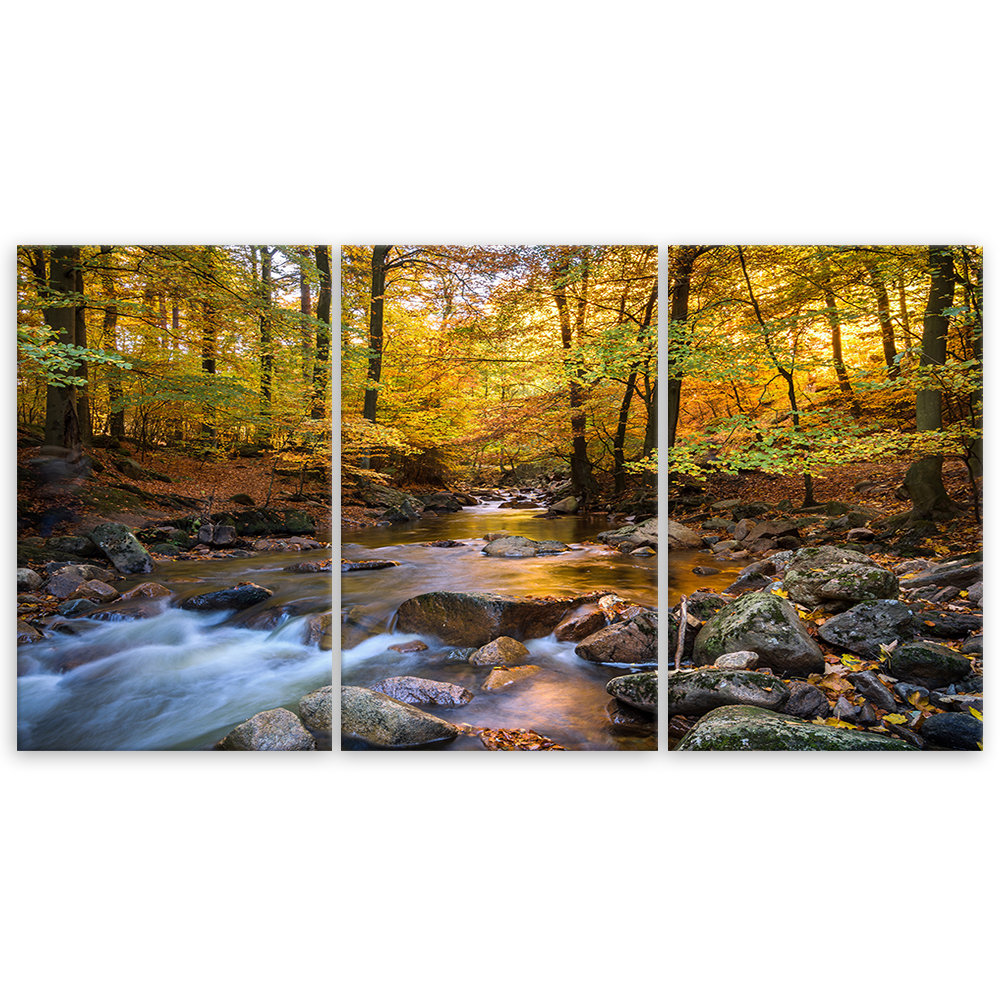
<point x="695" y="692"/>
<point x="633" y="536"/>
<point x="521" y="547"/>
<point x="475" y="618"/>
<point x="639" y="690"/>
<point x="743" y="727"/>
<point x="422" y="691"/>
<point x="834" y="577"/>
<point x="374" y="720"/>
<point x="275" y="729"/>
<point x="630" y="641"/>
<point x="763" y="624"/>
<point x="126" y="553"/>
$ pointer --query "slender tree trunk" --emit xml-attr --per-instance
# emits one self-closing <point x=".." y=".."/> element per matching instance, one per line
<point x="837" y="347"/>
<point x="904" y="316"/>
<point x="62" y="425"/>
<point x="321" y="366"/>
<point x="80" y="339"/>
<point x="680" y="293"/>
<point x="619" y="439"/>
<point x="923" y="478"/>
<point x="116" y="417"/>
<point x="266" y="347"/>
<point x="305" y="307"/>
<point x="884" y="319"/>
<point x="580" y="467"/>
<point x="375" y="321"/>
<point x="209" y="346"/>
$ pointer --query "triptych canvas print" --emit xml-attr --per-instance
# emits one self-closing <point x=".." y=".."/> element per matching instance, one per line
<point x="492" y="440"/>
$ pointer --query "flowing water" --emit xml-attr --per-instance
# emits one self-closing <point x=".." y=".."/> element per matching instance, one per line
<point x="182" y="679"/>
<point x="566" y="700"/>
<point x="683" y="580"/>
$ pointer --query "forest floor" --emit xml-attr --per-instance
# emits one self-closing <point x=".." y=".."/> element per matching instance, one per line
<point x="106" y="492"/>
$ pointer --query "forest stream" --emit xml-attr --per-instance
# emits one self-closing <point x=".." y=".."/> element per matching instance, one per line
<point x="182" y="679"/>
<point x="566" y="700"/>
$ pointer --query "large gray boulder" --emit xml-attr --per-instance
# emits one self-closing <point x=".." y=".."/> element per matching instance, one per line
<point x="475" y="618"/>
<point x="868" y="626"/>
<point x="634" y="536"/>
<point x="374" y="719"/>
<point x="632" y="641"/>
<point x="126" y="552"/>
<point x="275" y="729"/>
<point x="638" y="690"/>
<point x="962" y="573"/>
<point x="695" y="692"/>
<point x="743" y="727"/>
<point x="835" y="577"/>
<point x="27" y="579"/>
<point x="764" y="624"/>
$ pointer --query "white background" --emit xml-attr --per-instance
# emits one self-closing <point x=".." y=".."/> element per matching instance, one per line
<point x="496" y="875"/>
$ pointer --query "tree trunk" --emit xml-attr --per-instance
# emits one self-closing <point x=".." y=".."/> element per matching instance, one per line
<point x="375" y="321"/>
<point x="679" y="297"/>
<point x="837" y="348"/>
<point x="619" y="439"/>
<point x="923" y="478"/>
<point x="581" y="470"/>
<point x="266" y="347"/>
<point x="80" y="339"/>
<point x="305" y="307"/>
<point x="321" y="366"/>
<point x="209" y="344"/>
<point x="62" y="425"/>
<point x="976" y="398"/>
<point x="904" y="316"/>
<point x="884" y="319"/>
<point x="116" y="418"/>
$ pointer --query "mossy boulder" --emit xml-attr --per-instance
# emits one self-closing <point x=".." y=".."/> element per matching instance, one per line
<point x="929" y="664"/>
<point x="743" y="727"/>
<point x="836" y="577"/>
<point x="695" y="692"/>
<point x="126" y="552"/>
<point x="764" y="624"/>
<point x="639" y="690"/>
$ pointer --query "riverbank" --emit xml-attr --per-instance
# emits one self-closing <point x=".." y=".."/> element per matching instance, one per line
<point x="843" y="625"/>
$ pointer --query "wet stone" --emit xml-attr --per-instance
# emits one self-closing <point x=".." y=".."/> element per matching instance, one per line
<point x="422" y="691"/>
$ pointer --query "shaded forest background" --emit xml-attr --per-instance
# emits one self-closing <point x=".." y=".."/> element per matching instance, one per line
<point x="466" y="363"/>
<point x="797" y="360"/>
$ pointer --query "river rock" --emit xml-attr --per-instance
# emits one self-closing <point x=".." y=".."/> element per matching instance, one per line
<point x="764" y="624"/>
<point x="147" y="591"/>
<point x="973" y="646"/>
<point x="349" y="566"/>
<point x="626" y="718"/>
<point x="376" y="720"/>
<point x="866" y="682"/>
<point x="27" y="579"/>
<point x="929" y="664"/>
<point x="679" y="536"/>
<point x="868" y="626"/>
<point x="478" y="617"/>
<point x="316" y="708"/>
<point x="832" y="576"/>
<point x="27" y="633"/>
<point x="63" y="582"/>
<point x="80" y="606"/>
<point x="953" y="731"/>
<point x="96" y="591"/>
<point x="639" y="690"/>
<point x="806" y="701"/>
<point x="319" y="630"/>
<point x="633" y="536"/>
<point x="243" y="595"/>
<point x="126" y="552"/>
<point x="421" y="691"/>
<point x="744" y="659"/>
<point x="632" y="641"/>
<point x="695" y="692"/>
<point x="578" y="624"/>
<point x="503" y="650"/>
<point x="744" y="727"/>
<point x="948" y="624"/>
<point x="413" y="646"/>
<point x="568" y="506"/>
<point x="520" y="547"/>
<point x="502" y="677"/>
<point x="275" y="729"/>
<point x="962" y="573"/>
<point x="77" y="545"/>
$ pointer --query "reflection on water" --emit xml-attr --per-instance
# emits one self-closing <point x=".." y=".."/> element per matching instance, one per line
<point x="566" y="700"/>
<point x="180" y="680"/>
<point x="682" y="580"/>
